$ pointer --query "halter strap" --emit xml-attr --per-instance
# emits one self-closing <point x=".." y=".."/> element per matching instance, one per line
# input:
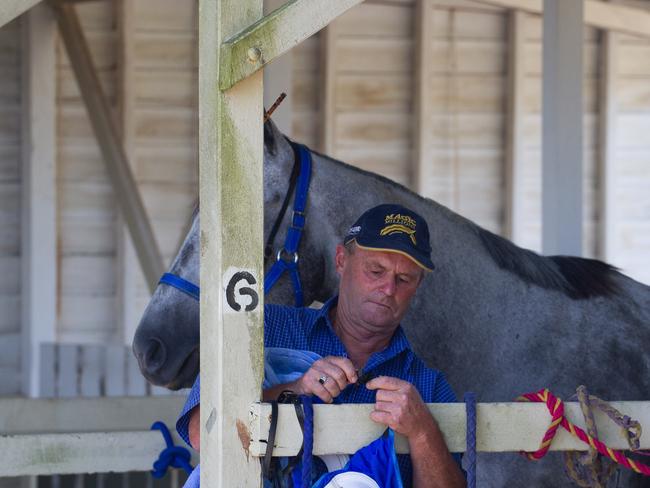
<point x="181" y="284"/>
<point x="287" y="257"/>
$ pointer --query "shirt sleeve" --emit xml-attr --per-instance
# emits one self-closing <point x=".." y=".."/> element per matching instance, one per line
<point x="193" y="399"/>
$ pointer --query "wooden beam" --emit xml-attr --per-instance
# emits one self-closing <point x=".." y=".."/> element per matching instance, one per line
<point x="38" y="225"/>
<point x="126" y="191"/>
<point x="514" y="157"/>
<point x="422" y="129"/>
<point x="127" y="269"/>
<point x="619" y="18"/>
<point x="260" y="43"/>
<point x="607" y="122"/>
<point x="61" y="415"/>
<point x="562" y="126"/>
<point x="97" y="452"/>
<point x="328" y="88"/>
<point x="501" y="427"/>
<point x="10" y="9"/>
<point x="231" y="195"/>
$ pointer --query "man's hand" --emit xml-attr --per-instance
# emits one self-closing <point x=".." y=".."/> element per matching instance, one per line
<point x="399" y="406"/>
<point x="326" y="379"/>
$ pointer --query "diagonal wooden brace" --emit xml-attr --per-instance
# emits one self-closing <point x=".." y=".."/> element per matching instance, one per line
<point x="273" y="35"/>
<point x="99" y="112"/>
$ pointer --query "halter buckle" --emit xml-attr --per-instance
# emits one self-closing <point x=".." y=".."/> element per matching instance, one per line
<point x="287" y="257"/>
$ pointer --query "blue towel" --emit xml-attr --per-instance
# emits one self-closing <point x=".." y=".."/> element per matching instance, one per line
<point x="281" y="365"/>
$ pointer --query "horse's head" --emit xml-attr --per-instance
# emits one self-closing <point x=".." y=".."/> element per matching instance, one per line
<point x="166" y="342"/>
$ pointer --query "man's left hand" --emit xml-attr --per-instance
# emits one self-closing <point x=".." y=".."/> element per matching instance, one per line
<point x="399" y="406"/>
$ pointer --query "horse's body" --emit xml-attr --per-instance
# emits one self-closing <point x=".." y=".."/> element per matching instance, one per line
<point x="497" y="319"/>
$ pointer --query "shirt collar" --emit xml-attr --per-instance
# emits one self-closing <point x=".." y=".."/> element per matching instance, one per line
<point x="398" y="343"/>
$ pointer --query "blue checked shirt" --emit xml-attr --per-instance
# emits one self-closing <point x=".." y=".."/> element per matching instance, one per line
<point x="311" y="329"/>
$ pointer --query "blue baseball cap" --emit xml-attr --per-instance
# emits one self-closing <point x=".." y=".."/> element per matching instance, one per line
<point x="393" y="228"/>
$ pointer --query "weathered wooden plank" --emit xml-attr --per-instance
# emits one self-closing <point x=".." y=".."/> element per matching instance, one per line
<point x="501" y="427"/>
<point x="114" y="369"/>
<point x="136" y="385"/>
<point x="11" y="9"/>
<point x="74" y="453"/>
<point x="10" y="316"/>
<point x="38" y="193"/>
<point x="10" y="279"/>
<point x="165" y="15"/>
<point x="159" y="123"/>
<point x="276" y="33"/>
<point x="47" y="388"/>
<point x="10" y="350"/>
<point x="67" y="381"/>
<point x="159" y="51"/>
<point x="87" y="275"/>
<point x="87" y="312"/>
<point x="174" y="89"/>
<point x="467" y="93"/>
<point x="359" y="92"/>
<point x="387" y="130"/>
<point x="231" y="189"/>
<point x="377" y="19"/>
<point x="329" y="61"/>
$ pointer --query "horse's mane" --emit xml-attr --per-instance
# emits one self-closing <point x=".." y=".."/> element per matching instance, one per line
<point x="579" y="278"/>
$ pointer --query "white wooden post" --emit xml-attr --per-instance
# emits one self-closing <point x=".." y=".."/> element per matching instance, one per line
<point x="607" y="232"/>
<point x="422" y="130"/>
<point x="128" y="268"/>
<point x="562" y="127"/>
<point x="514" y="222"/>
<point x="231" y="196"/>
<point x="38" y="242"/>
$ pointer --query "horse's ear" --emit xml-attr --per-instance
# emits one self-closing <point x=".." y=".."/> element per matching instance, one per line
<point x="271" y="135"/>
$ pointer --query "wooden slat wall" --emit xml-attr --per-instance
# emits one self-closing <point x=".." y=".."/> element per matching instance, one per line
<point x="86" y="207"/>
<point x="165" y="118"/>
<point x="307" y="105"/>
<point x="10" y="140"/>
<point x="372" y="88"/>
<point x="632" y="159"/>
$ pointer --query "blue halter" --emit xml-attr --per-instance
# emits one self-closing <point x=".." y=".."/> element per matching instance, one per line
<point x="287" y="256"/>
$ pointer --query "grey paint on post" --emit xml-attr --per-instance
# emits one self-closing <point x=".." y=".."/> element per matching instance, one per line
<point x="562" y="127"/>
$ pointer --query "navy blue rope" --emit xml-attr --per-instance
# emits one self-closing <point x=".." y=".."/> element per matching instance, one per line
<point x="307" y="441"/>
<point x="172" y="456"/>
<point x="470" y="453"/>
<point x="181" y="284"/>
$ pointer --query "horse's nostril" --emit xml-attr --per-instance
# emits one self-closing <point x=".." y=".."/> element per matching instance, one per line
<point x="155" y="355"/>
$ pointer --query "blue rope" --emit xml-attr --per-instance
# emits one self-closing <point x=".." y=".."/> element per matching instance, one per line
<point x="470" y="453"/>
<point x="172" y="456"/>
<point x="308" y="441"/>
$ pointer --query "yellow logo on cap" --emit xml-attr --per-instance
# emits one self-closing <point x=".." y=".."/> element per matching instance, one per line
<point x="398" y="223"/>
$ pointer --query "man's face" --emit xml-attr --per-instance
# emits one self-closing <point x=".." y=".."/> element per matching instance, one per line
<point x="376" y="287"/>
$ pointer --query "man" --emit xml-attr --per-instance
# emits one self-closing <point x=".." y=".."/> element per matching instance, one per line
<point x="381" y="263"/>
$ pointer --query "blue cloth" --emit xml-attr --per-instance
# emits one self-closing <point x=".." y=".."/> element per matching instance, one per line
<point x="377" y="460"/>
<point x="194" y="479"/>
<point x="311" y="330"/>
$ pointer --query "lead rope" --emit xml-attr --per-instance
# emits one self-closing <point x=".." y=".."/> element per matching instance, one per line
<point x="308" y="441"/>
<point x="470" y="438"/>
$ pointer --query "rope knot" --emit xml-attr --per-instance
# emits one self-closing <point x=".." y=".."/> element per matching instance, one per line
<point x="172" y="456"/>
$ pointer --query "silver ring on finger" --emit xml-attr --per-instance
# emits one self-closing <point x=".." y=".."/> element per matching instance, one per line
<point x="323" y="379"/>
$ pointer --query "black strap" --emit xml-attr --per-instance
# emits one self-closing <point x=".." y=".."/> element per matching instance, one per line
<point x="295" y="170"/>
<point x="268" y="455"/>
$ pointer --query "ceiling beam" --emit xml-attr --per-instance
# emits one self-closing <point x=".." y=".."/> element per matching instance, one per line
<point x="10" y="9"/>
<point x="619" y="18"/>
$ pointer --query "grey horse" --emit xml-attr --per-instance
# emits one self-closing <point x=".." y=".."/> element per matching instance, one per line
<point x="499" y="320"/>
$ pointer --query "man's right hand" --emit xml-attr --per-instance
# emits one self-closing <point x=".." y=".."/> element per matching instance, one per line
<point x="326" y="379"/>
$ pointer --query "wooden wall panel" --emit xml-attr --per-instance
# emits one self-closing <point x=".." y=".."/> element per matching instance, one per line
<point x="306" y="108"/>
<point x="86" y="205"/>
<point x="10" y="140"/>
